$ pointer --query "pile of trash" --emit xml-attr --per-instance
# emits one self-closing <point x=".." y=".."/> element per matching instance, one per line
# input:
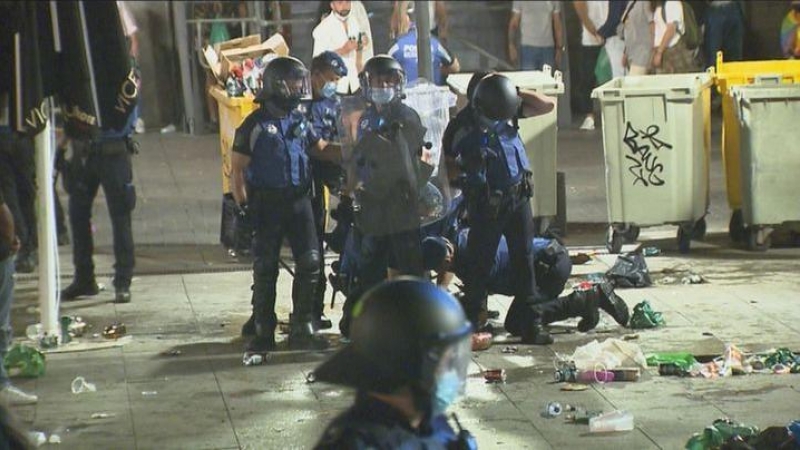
<point x="238" y="64"/>
<point x="725" y="433"/>
<point x="613" y="360"/>
<point x="598" y="421"/>
<point x="732" y="361"/>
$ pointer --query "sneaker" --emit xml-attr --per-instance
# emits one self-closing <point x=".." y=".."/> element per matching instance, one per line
<point x="15" y="396"/>
<point x="80" y="289"/>
<point x="139" y="126"/>
<point x="123" y="295"/>
<point x="588" y="124"/>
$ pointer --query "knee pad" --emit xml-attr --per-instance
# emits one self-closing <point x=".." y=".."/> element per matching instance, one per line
<point x="308" y="262"/>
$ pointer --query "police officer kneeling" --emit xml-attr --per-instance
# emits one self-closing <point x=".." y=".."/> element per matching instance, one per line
<point x="408" y="357"/>
<point x="271" y="181"/>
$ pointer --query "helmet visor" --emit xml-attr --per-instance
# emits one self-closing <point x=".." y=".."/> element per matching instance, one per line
<point x="296" y="86"/>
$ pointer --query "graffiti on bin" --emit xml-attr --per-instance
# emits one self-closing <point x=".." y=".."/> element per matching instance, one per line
<point x="644" y="147"/>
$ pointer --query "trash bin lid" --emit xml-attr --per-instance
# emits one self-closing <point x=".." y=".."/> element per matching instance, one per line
<point x="536" y="80"/>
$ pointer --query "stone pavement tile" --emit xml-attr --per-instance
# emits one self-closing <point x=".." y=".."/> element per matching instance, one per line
<point x="762" y="400"/>
<point x="142" y="367"/>
<point x="205" y="425"/>
<point x="103" y="368"/>
<point x="78" y="430"/>
<point x="671" y="426"/>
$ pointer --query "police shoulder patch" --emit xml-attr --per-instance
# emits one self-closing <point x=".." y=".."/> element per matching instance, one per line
<point x="272" y="129"/>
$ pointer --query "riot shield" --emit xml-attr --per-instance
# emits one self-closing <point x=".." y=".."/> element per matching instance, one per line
<point x="395" y="178"/>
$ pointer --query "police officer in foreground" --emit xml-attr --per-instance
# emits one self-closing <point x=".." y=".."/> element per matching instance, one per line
<point x="498" y="190"/>
<point x="387" y="171"/>
<point x="327" y="69"/>
<point x="407" y="359"/>
<point x="271" y="182"/>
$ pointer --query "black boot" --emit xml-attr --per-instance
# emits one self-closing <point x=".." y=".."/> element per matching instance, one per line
<point x="264" y="339"/>
<point x="303" y="336"/>
<point x="80" y="288"/>
<point x="249" y="327"/>
<point x="536" y="334"/>
<point x="303" y="332"/>
<point x="581" y="304"/>
<point x="525" y="321"/>
<point x="610" y="302"/>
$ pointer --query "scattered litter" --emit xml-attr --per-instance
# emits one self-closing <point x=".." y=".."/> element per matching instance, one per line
<point x="254" y="359"/>
<point x="608" y="355"/>
<point x="224" y="324"/>
<point x="707" y="333"/>
<point x="115" y="331"/>
<point x="494" y="375"/>
<point x="102" y="415"/>
<point x="149" y="393"/>
<point x="95" y="335"/>
<point x="481" y="341"/>
<point x="34" y="332"/>
<point x="580" y="258"/>
<point x="572" y="387"/>
<point x="596" y="277"/>
<point x="311" y="377"/>
<point x="510" y="349"/>
<point x="667" y="280"/>
<point x="54" y="439"/>
<point x="554" y="409"/>
<point x="651" y="251"/>
<point x="37" y="438"/>
<point x="693" y="279"/>
<point x="168" y="129"/>
<point x="22" y="360"/>
<point x="611" y="421"/>
<point x="175" y="352"/>
<point x="77" y="327"/>
<point x="48" y="341"/>
<point x="80" y="385"/>
<point x="630" y="271"/>
<point x="722" y="432"/>
<point x="672" y="363"/>
<point x="630" y="337"/>
<point x="645" y="317"/>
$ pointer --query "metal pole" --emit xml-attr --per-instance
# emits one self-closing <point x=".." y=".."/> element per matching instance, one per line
<point x="182" y="42"/>
<point x="424" y="57"/>
<point x="48" y="249"/>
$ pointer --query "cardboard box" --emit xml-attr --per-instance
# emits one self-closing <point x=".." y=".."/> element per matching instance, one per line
<point x="225" y="54"/>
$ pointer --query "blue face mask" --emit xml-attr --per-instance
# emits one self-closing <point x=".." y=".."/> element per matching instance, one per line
<point x="381" y="96"/>
<point x="329" y="89"/>
<point x="448" y="388"/>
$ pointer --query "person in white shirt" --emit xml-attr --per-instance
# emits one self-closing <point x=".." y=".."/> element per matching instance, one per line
<point x="592" y="15"/>
<point x="339" y="32"/>
<point x="670" y="54"/>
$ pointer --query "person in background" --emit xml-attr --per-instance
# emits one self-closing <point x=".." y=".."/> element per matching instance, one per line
<point x="670" y="54"/>
<point x="592" y="15"/>
<point x="724" y="30"/>
<point x="637" y="33"/>
<point x="9" y="245"/>
<point x="437" y="14"/>
<point x="341" y="33"/>
<point x="609" y="31"/>
<point x="362" y="17"/>
<point x="404" y="51"/>
<point x="541" y="35"/>
<point x="408" y="360"/>
<point x="790" y="32"/>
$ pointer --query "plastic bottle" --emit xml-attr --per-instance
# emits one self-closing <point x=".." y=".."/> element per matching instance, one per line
<point x="612" y="421"/>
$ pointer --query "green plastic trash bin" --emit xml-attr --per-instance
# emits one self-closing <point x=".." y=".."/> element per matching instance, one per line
<point x="656" y="137"/>
<point x="539" y="134"/>
<point x="767" y="117"/>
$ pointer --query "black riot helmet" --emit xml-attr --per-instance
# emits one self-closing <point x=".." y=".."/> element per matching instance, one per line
<point x="405" y="333"/>
<point x="473" y="82"/>
<point x="495" y="98"/>
<point x="286" y="82"/>
<point x="382" y="80"/>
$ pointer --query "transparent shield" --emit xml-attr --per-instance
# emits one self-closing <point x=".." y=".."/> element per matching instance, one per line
<point x="393" y="170"/>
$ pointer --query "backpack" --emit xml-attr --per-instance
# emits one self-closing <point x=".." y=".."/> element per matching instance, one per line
<point x="691" y="32"/>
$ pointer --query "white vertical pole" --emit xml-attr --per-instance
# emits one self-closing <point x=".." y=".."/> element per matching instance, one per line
<point x="45" y="210"/>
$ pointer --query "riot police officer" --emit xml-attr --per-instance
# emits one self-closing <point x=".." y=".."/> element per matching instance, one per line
<point x="498" y="192"/>
<point x="407" y="359"/>
<point x="386" y="174"/>
<point x="327" y="69"/>
<point x="271" y="181"/>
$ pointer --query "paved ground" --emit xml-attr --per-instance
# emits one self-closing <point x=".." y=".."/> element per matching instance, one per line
<point x="179" y="382"/>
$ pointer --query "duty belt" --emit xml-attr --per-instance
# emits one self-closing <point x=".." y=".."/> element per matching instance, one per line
<point x="284" y="192"/>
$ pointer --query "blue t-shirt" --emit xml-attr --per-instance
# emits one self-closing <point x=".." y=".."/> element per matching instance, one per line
<point x="405" y="52"/>
<point x="277" y="148"/>
<point x="506" y="160"/>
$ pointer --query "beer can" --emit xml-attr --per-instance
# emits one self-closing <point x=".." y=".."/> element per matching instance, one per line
<point x="495" y="375"/>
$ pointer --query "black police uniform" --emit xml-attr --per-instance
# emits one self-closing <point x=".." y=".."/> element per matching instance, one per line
<point x="387" y="161"/>
<point x="498" y="203"/>
<point x="278" y="181"/>
<point x="104" y="161"/>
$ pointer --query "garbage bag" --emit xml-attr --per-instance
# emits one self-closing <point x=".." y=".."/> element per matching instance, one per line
<point x="645" y="317"/>
<point x="602" y="69"/>
<point x="608" y="355"/>
<point x="25" y="361"/>
<point x="630" y="271"/>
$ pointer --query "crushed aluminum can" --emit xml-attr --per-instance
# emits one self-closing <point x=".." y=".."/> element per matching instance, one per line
<point x="115" y="331"/>
<point x="254" y="359"/>
<point x="553" y="409"/>
<point x="494" y="375"/>
<point x="510" y="349"/>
